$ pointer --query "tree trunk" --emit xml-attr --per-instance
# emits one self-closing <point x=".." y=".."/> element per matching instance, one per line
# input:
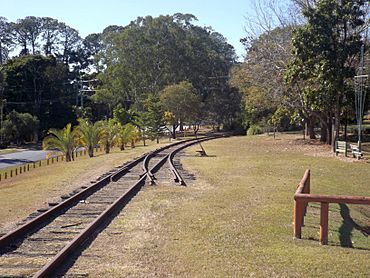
<point x="107" y="147"/>
<point x="174" y="131"/>
<point x="337" y="122"/>
<point x="311" y="127"/>
<point x="1" y="53"/>
<point x="132" y="143"/>
<point x="33" y="47"/>
<point x="329" y="130"/>
<point x="323" y="132"/>
<point x="122" y="146"/>
<point x="345" y="126"/>
<point x="25" y="48"/>
<point x="91" y="151"/>
<point x="143" y="138"/>
<point x="157" y="139"/>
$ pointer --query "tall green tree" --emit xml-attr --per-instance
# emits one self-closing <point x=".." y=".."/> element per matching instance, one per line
<point x="27" y="32"/>
<point x="19" y="127"/>
<point x="154" y="117"/>
<point x="50" y="32"/>
<point x="151" y="53"/>
<point x="69" y="41"/>
<point x="182" y="101"/>
<point x="260" y="77"/>
<point x="6" y="39"/>
<point x="39" y="85"/>
<point x="324" y="55"/>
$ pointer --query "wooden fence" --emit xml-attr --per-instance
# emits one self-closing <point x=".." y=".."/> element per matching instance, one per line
<point x="303" y="196"/>
<point x="13" y="171"/>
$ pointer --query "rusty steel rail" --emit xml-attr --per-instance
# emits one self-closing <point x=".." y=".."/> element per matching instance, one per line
<point x="49" y="269"/>
<point x="146" y="169"/>
<point x="176" y="175"/>
<point x="48" y="216"/>
<point x="303" y="196"/>
<point x="149" y="172"/>
<point x="59" y="259"/>
<point x="53" y="212"/>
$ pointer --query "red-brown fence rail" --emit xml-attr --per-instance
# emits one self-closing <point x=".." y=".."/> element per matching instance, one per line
<point x="303" y="196"/>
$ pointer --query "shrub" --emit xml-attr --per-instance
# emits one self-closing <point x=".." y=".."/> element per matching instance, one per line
<point x="19" y="127"/>
<point x="254" y="130"/>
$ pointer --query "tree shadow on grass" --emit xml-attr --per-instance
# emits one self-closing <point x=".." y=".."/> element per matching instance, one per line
<point x="348" y="225"/>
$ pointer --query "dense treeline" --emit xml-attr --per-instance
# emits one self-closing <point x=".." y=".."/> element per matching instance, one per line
<point x="49" y="72"/>
<point x="301" y="72"/>
<point x="161" y="73"/>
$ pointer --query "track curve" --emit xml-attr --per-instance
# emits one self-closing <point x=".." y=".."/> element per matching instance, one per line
<point x="40" y="246"/>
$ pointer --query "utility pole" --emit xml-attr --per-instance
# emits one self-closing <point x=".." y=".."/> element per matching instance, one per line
<point x="3" y="102"/>
<point x="361" y="87"/>
<point x="1" y="50"/>
<point x="85" y="88"/>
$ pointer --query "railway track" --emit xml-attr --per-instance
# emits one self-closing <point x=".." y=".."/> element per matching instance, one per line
<point x="40" y="246"/>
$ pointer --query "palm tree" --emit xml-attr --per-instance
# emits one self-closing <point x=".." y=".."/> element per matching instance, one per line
<point x="61" y="139"/>
<point x="89" y="134"/>
<point x="127" y="133"/>
<point x="109" y="133"/>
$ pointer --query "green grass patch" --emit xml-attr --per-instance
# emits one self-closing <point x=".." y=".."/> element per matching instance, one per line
<point x="235" y="219"/>
<point x="255" y="179"/>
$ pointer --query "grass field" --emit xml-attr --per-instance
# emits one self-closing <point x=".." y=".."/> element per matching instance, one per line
<point x="235" y="219"/>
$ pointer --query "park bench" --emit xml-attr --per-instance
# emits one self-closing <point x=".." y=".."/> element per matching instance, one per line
<point x="341" y="147"/>
<point x="356" y="151"/>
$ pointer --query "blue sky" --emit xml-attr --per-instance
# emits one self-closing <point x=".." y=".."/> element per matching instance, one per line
<point x="226" y="17"/>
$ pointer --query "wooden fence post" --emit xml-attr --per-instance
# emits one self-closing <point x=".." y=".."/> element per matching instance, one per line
<point x="307" y="191"/>
<point x="297" y="218"/>
<point x="5" y="175"/>
<point x="324" y="221"/>
<point x="11" y="173"/>
<point x="47" y="161"/>
<point x="16" y="171"/>
<point x="28" y="167"/>
<point x="40" y="163"/>
<point x="20" y="170"/>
